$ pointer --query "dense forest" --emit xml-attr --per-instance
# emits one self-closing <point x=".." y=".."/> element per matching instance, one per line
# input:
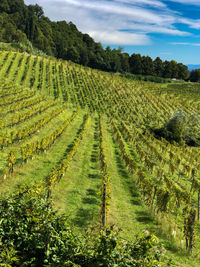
<point x="20" y="23"/>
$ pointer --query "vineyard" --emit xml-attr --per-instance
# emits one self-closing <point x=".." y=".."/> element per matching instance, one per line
<point x="87" y="137"/>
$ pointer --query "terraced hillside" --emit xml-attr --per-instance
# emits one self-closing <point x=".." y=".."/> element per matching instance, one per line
<point x="76" y="131"/>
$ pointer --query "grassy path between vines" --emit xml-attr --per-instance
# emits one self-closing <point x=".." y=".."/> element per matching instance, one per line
<point x="127" y="210"/>
<point x="77" y="194"/>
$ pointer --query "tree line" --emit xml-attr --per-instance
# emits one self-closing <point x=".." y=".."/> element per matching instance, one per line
<point x="22" y="23"/>
<point x="195" y="75"/>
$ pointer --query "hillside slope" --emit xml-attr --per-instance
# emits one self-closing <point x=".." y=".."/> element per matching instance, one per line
<point x="75" y="130"/>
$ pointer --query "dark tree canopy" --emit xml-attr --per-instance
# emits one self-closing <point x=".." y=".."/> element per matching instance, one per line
<point x="158" y="67"/>
<point x="195" y="75"/>
<point x="19" y="23"/>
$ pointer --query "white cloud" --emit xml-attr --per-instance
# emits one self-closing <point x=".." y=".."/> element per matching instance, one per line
<point x="187" y="2"/>
<point x="195" y="24"/>
<point x="185" y="43"/>
<point x="153" y="28"/>
<point x="119" y="22"/>
<point x="121" y="9"/>
<point x="120" y="38"/>
<point x="152" y="3"/>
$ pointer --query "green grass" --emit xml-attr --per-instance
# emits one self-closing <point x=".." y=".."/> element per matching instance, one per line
<point x="126" y="209"/>
<point x="130" y="214"/>
<point x="78" y="192"/>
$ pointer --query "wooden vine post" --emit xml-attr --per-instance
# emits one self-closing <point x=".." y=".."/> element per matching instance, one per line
<point x="11" y="161"/>
<point x="198" y="205"/>
<point x="189" y="227"/>
<point x="104" y="206"/>
<point x="49" y="193"/>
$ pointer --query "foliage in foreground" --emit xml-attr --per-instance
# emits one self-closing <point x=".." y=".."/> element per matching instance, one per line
<point x="33" y="234"/>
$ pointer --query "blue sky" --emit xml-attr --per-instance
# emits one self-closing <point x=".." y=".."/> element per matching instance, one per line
<point x="168" y="29"/>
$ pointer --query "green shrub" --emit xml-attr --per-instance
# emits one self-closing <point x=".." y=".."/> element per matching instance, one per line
<point x="176" y="126"/>
<point x="33" y="234"/>
<point x="27" y="47"/>
<point x="181" y="128"/>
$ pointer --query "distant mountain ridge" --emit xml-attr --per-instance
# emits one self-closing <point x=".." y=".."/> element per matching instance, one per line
<point x="193" y="67"/>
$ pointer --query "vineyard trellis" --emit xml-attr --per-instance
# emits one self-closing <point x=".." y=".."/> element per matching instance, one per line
<point x="167" y="174"/>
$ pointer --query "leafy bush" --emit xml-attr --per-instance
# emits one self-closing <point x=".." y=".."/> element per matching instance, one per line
<point x="107" y="249"/>
<point x="176" y="126"/>
<point x="27" y="47"/>
<point x="33" y="234"/>
<point x="181" y="128"/>
<point x="21" y="47"/>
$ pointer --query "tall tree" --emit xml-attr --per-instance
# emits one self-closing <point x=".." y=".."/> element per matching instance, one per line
<point x="147" y="66"/>
<point x="158" y="67"/>
<point x="135" y="62"/>
<point x="174" y="69"/>
<point x="124" y="58"/>
<point x="183" y="72"/>
<point x="167" y="69"/>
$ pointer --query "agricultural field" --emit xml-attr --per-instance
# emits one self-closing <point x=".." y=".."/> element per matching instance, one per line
<point x="87" y="137"/>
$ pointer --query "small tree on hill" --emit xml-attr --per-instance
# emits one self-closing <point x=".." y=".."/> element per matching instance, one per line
<point x="176" y="126"/>
<point x="182" y="128"/>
